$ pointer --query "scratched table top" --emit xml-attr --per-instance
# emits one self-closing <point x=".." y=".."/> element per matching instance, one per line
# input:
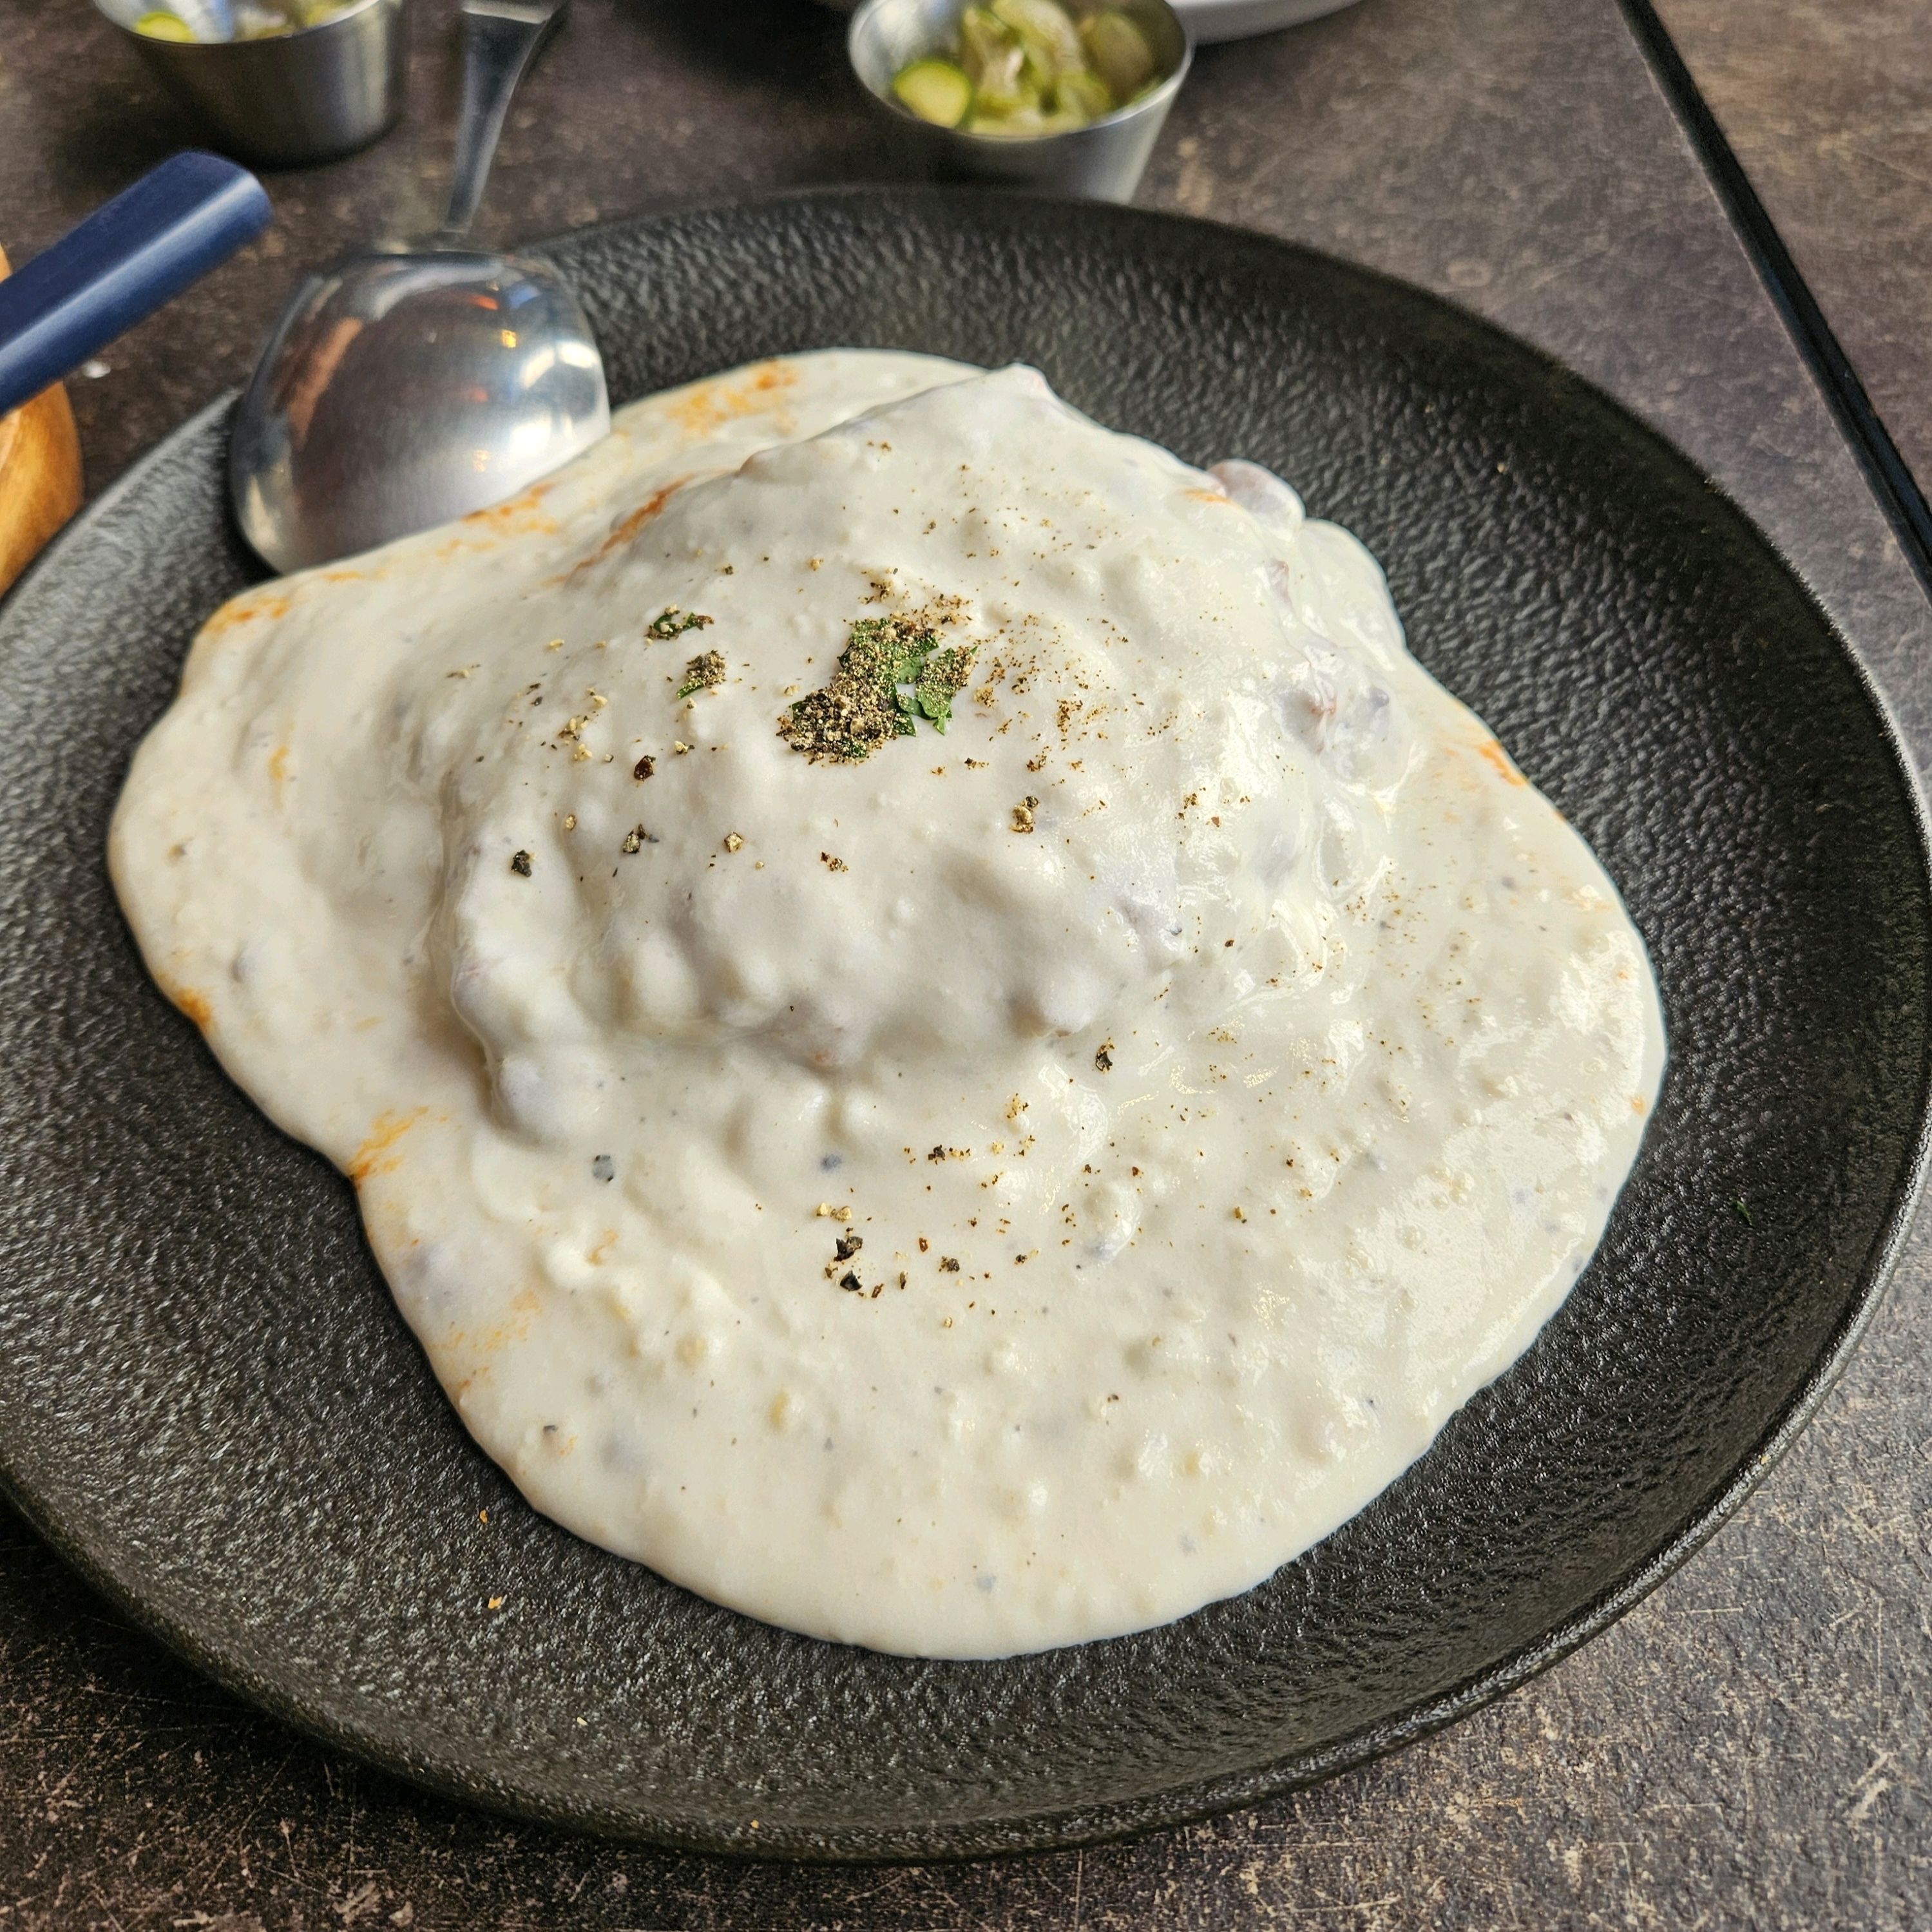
<point x="1749" y="1746"/>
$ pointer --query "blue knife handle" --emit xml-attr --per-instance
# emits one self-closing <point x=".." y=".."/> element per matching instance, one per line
<point x="127" y="258"/>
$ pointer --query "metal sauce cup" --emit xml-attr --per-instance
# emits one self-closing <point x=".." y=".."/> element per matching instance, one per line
<point x="1103" y="161"/>
<point x="290" y="100"/>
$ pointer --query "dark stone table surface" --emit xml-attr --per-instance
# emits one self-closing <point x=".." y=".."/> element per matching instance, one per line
<point x="1749" y="1747"/>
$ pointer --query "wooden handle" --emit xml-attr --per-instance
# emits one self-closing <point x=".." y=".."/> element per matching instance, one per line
<point x="39" y="474"/>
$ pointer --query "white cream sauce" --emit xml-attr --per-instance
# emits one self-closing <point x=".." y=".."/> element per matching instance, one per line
<point x="1214" y="1124"/>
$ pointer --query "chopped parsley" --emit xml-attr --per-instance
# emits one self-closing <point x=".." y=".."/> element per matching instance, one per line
<point x="892" y="672"/>
<point x="670" y="622"/>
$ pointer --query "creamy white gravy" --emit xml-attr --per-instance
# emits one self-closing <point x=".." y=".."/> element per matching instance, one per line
<point x="1011" y="1189"/>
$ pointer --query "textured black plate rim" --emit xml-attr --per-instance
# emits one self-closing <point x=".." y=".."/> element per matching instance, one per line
<point x="446" y="1775"/>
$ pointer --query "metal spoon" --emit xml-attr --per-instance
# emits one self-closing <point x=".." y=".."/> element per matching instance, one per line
<point x="406" y="387"/>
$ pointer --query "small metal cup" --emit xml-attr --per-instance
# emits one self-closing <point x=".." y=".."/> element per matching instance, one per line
<point x="291" y="99"/>
<point x="1103" y="161"/>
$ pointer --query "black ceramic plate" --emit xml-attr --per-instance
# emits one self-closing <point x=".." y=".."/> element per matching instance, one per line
<point x="207" y="1403"/>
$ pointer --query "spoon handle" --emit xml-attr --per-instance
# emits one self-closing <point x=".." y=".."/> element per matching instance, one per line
<point x="127" y="258"/>
<point x="500" y="38"/>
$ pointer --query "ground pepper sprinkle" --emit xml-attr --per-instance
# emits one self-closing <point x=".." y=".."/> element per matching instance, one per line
<point x="863" y="706"/>
<point x="704" y="671"/>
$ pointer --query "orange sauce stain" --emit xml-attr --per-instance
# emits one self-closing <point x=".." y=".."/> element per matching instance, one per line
<point x="278" y="770"/>
<point x="523" y="1307"/>
<point x="342" y="576"/>
<point x="627" y="528"/>
<point x="1219" y="497"/>
<point x="596" y="1256"/>
<point x="710" y="406"/>
<point x="1489" y="749"/>
<point x="516" y="514"/>
<point x="194" y="1004"/>
<point x="245" y="611"/>
<point x="389" y="1129"/>
<point x="1637" y="1105"/>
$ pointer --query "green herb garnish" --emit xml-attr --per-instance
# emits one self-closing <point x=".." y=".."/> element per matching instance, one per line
<point x="670" y="622"/>
<point x="892" y="671"/>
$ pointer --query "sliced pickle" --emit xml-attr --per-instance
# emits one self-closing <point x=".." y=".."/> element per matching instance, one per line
<point x="1047" y="34"/>
<point x="936" y="91"/>
<point x="1084" y="94"/>
<point x="1117" y="51"/>
<point x="995" y="62"/>
<point x="988" y="46"/>
<point x="1021" y="69"/>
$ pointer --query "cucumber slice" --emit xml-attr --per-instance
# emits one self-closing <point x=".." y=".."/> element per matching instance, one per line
<point x="1083" y="95"/>
<point x="1117" y="51"/>
<point x="934" y="90"/>
<point x="160" y="25"/>
<point x="1051" y="41"/>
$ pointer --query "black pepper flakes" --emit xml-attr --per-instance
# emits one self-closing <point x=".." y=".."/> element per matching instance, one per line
<point x="866" y="705"/>
<point x="519" y="864"/>
<point x="1103" y="1057"/>
<point x="644" y="768"/>
<point x="704" y="671"/>
<point x="851" y="1282"/>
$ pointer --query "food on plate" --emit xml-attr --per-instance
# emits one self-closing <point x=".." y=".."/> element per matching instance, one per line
<point x="1025" y="68"/>
<point x="939" y="1032"/>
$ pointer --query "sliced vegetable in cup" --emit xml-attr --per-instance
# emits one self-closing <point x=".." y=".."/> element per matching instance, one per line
<point x="213" y="21"/>
<point x="1025" y="68"/>
<point x="934" y="90"/>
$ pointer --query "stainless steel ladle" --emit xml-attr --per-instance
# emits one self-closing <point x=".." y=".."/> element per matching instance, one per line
<point x="405" y="387"/>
